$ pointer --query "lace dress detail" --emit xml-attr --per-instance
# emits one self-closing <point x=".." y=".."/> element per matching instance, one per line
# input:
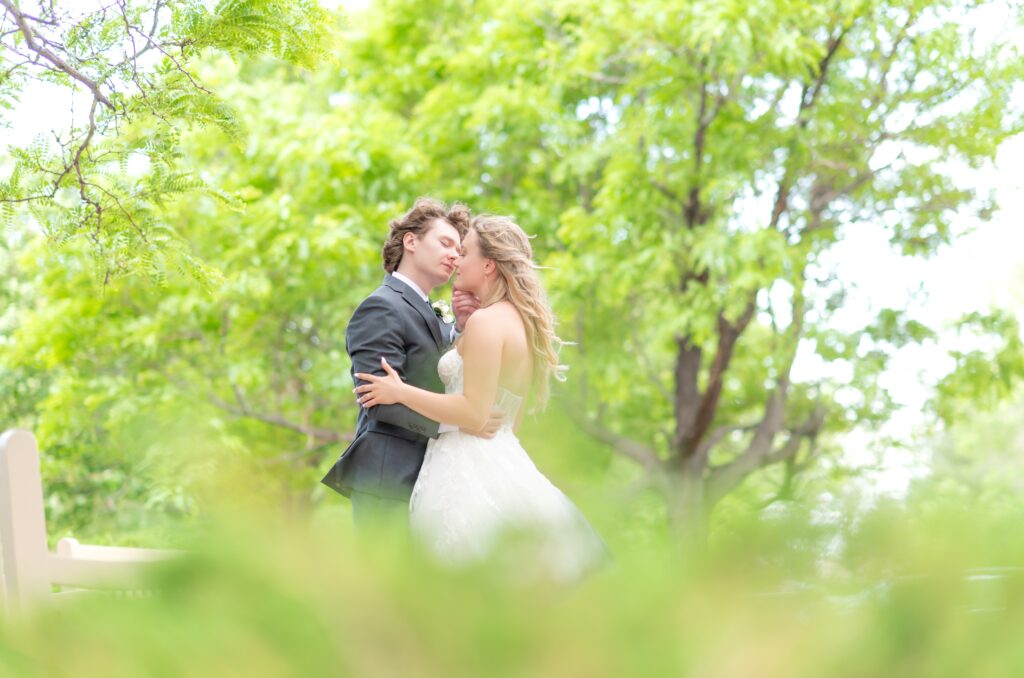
<point x="471" y="491"/>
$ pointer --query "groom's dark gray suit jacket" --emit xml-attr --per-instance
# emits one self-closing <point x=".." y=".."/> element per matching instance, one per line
<point x="387" y="452"/>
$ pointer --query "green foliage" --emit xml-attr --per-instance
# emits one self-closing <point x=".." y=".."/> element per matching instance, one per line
<point x="909" y="593"/>
<point x="976" y="456"/>
<point x="678" y="165"/>
<point x="988" y="370"/>
<point x="222" y="390"/>
<point x="137" y="62"/>
<point x="292" y="31"/>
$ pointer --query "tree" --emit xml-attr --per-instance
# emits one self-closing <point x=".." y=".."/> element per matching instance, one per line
<point x="135" y="62"/>
<point x="167" y="387"/>
<point x="686" y="167"/>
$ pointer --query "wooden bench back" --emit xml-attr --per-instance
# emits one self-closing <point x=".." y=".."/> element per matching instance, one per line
<point x="30" y="571"/>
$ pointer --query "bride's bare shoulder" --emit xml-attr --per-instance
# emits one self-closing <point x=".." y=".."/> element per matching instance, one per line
<point x="494" y="317"/>
<point x="504" y="309"/>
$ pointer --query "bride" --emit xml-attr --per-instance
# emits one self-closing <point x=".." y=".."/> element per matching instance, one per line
<point x="471" y="491"/>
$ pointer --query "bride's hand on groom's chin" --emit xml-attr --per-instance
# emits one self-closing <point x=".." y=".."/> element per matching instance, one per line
<point x="463" y="305"/>
<point x="384" y="390"/>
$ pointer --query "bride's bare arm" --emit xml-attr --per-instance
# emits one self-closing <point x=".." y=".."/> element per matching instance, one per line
<point x="481" y="355"/>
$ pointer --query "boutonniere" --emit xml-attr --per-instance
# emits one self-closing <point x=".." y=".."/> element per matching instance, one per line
<point x="443" y="311"/>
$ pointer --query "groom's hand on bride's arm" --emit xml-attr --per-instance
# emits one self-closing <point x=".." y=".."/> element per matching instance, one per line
<point x="489" y="430"/>
<point x="463" y="305"/>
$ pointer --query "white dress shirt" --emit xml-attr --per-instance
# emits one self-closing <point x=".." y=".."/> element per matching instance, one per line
<point x="414" y="286"/>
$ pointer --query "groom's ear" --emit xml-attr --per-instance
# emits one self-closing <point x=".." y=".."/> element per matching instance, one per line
<point x="409" y="241"/>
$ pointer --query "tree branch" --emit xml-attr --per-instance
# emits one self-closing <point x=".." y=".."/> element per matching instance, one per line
<point x="687" y="401"/>
<point x="638" y="347"/>
<point x="808" y="97"/>
<point x="152" y="43"/>
<point x="30" y="41"/>
<point x="890" y="58"/>
<point x="243" y="410"/>
<point x="76" y="159"/>
<point x="718" y="435"/>
<point x="724" y="479"/>
<point x="758" y="452"/>
<point x="692" y="211"/>
<point x="728" y="334"/>
<point x="633" y="449"/>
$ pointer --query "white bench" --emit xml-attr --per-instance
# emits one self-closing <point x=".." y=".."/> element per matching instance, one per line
<point x="30" y="570"/>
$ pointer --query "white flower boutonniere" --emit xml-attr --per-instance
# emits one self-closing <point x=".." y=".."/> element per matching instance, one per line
<point x="443" y="310"/>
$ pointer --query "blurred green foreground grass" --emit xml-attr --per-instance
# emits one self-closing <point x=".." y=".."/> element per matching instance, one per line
<point x="901" y="595"/>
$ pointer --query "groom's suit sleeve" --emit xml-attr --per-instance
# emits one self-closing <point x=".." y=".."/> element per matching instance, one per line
<point x="375" y="331"/>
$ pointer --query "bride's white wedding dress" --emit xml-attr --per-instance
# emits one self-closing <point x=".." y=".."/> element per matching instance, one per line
<point x="471" y="491"/>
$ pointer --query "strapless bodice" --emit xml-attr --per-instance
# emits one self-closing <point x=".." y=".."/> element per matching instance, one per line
<point x="450" y="369"/>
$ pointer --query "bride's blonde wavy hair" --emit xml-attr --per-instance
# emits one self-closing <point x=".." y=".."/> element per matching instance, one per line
<point x="504" y="242"/>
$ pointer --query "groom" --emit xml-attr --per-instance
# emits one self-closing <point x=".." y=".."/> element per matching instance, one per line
<point x="378" y="470"/>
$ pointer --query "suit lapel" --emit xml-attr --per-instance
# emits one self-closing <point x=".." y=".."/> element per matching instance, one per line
<point x="421" y="307"/>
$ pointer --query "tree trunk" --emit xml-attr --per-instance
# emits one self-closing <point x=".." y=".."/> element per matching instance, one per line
<point x="687" y="510"/>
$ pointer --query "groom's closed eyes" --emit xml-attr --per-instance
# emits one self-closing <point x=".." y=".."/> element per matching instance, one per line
<point x="447" y="243"/>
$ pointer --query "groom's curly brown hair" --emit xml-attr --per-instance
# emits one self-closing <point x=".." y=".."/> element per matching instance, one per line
<point x="417" y="220"/>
